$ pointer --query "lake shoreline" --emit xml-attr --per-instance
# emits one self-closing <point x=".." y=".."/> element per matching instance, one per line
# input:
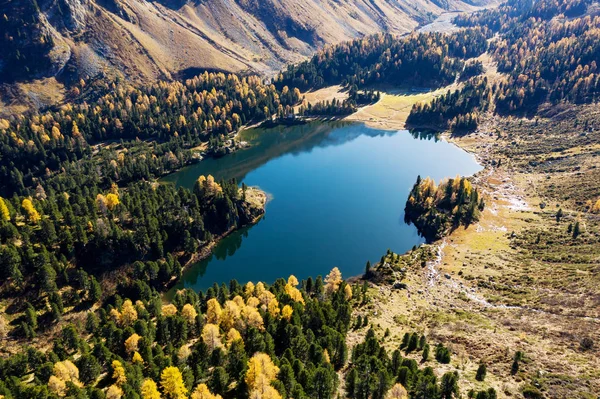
<point x="259" y="199"/>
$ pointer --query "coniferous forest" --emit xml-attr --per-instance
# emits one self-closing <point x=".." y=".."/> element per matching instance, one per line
<point x="90" y="239"/>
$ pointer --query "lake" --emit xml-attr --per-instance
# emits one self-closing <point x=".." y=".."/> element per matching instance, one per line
<point x="337" y="192"/>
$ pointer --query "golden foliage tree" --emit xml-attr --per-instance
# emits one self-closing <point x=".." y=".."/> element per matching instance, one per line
<point x="249" y="288"/>
<point x="294" y="293"/>
<point x="286" y="312"/>
<point x="273" y="308"/>
<point x="128" y="313"/>
<point x="131" y="343"/>
<point x="397" y="392"/>
<point x="57" y="385"/>
<point x="202" y="392"/>
<point x="348" y="292"/>
<point x="114" y="392"/>
<point x="169" y="310"/>
<point x="252" y="317"/>
<point x="261" y="372"/>
<point x="66" y="371"/>
<point x="119" y="373"/>
<point x="137" y="358"/>
<point x="211" y="336"/>
<point x="112" y="200"/>
<point x="4" y="213"/>
<point x="213" y="311"/>
<point x="32" y="214"/>
<point x="596" y="207"/>
<point x="230" y="315"/>
<point x="172" y="384"/>
<point x="233" y="335"/>
<point x="149" y="389"/>
<point x="260" y="365"/>
<point x="189" y="313"/>
<point x="333" y="280"/>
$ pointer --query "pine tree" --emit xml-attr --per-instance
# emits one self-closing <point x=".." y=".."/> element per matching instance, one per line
<point x="481" y="372"/>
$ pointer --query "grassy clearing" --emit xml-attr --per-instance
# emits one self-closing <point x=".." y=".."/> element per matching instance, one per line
<point x="518" y="279"/>
<point x="392" y="110"/>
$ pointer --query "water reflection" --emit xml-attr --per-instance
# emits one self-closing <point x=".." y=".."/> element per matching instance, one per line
<point x="425" y="134"/>
<point x="269" y="144"/>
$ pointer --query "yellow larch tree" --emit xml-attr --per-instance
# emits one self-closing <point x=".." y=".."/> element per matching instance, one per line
<point x="273" y="308"/>
<point x="169" y="310"/>
<point x="293" y="281"/>
<point x="596" y="207"/>
<point x="202" y="392"/>
<point x="63" y="372"/>
<point x="348" y="292"/>
<point x="183" y="353"/>
<point x="261" y="372"/>
<point x="232" y="336"/>
<point x="213" y="311"/>
<point x="57" y="386"/>
<point x="230" y="315"/>
<point x="249" y="288"/>
<point x="172" y="384"/>
<point x="149" y="389"/>
<point x="253" y="302"/>
<point x="188" y="312"/>
<point x="333" y="280"/>
<point x="397" y="392"/>
<point x="112" y="200"/>
<point x="114" y="392"/>
<point x="4" y="212"/>
<point x="294" y="293"/>
<point x="211" y="336"/>
<point x="118" y="373"/>
<point x="32" y="214"/>
<point x="286" y="312"/>
<point x="66" y="371"/>
<point x="252" y="317"/>
<point x="128" y="313"/>
<point x="137" y="358"/>
<point x="131" y="343"/>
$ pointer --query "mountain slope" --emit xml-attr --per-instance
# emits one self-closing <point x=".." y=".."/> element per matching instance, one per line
<point x="147" y="40"/>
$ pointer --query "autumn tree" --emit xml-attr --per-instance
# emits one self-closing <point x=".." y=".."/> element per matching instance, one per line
<point x="213" y="311"/>
<point x="118" y="373"/>
<point x="189" y="313"/>
<point x="261" y="372"/>
<point x="202" y="392"/>
<point x="211" y="336"/>
<point x="397" y="392"/>
<point x="131" y="343"/>
<point x="149" y="389"/>
<point x="4" y="212"/>
<point x="32" y="214"/>
<point x="333" y="280"/>
<point x="172" y="383"/>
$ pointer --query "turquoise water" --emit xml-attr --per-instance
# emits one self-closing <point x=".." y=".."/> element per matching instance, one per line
<point x="337" y="194"/>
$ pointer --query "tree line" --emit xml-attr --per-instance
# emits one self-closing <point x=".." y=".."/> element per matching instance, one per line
<point x="179" y="114"/>
<point x="422" y="59"/>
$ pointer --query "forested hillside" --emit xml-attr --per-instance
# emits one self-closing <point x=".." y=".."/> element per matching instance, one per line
<point x="547" y="54"/>
<point x="48" y="45"/>
<point x="502" y="300"/>
<point x="420" y="59"/>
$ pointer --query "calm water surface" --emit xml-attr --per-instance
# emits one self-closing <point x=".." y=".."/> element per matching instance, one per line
<point x="337" y="194"/>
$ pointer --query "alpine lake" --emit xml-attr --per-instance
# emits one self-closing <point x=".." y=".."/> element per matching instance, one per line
<point x="336" y="198"/>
